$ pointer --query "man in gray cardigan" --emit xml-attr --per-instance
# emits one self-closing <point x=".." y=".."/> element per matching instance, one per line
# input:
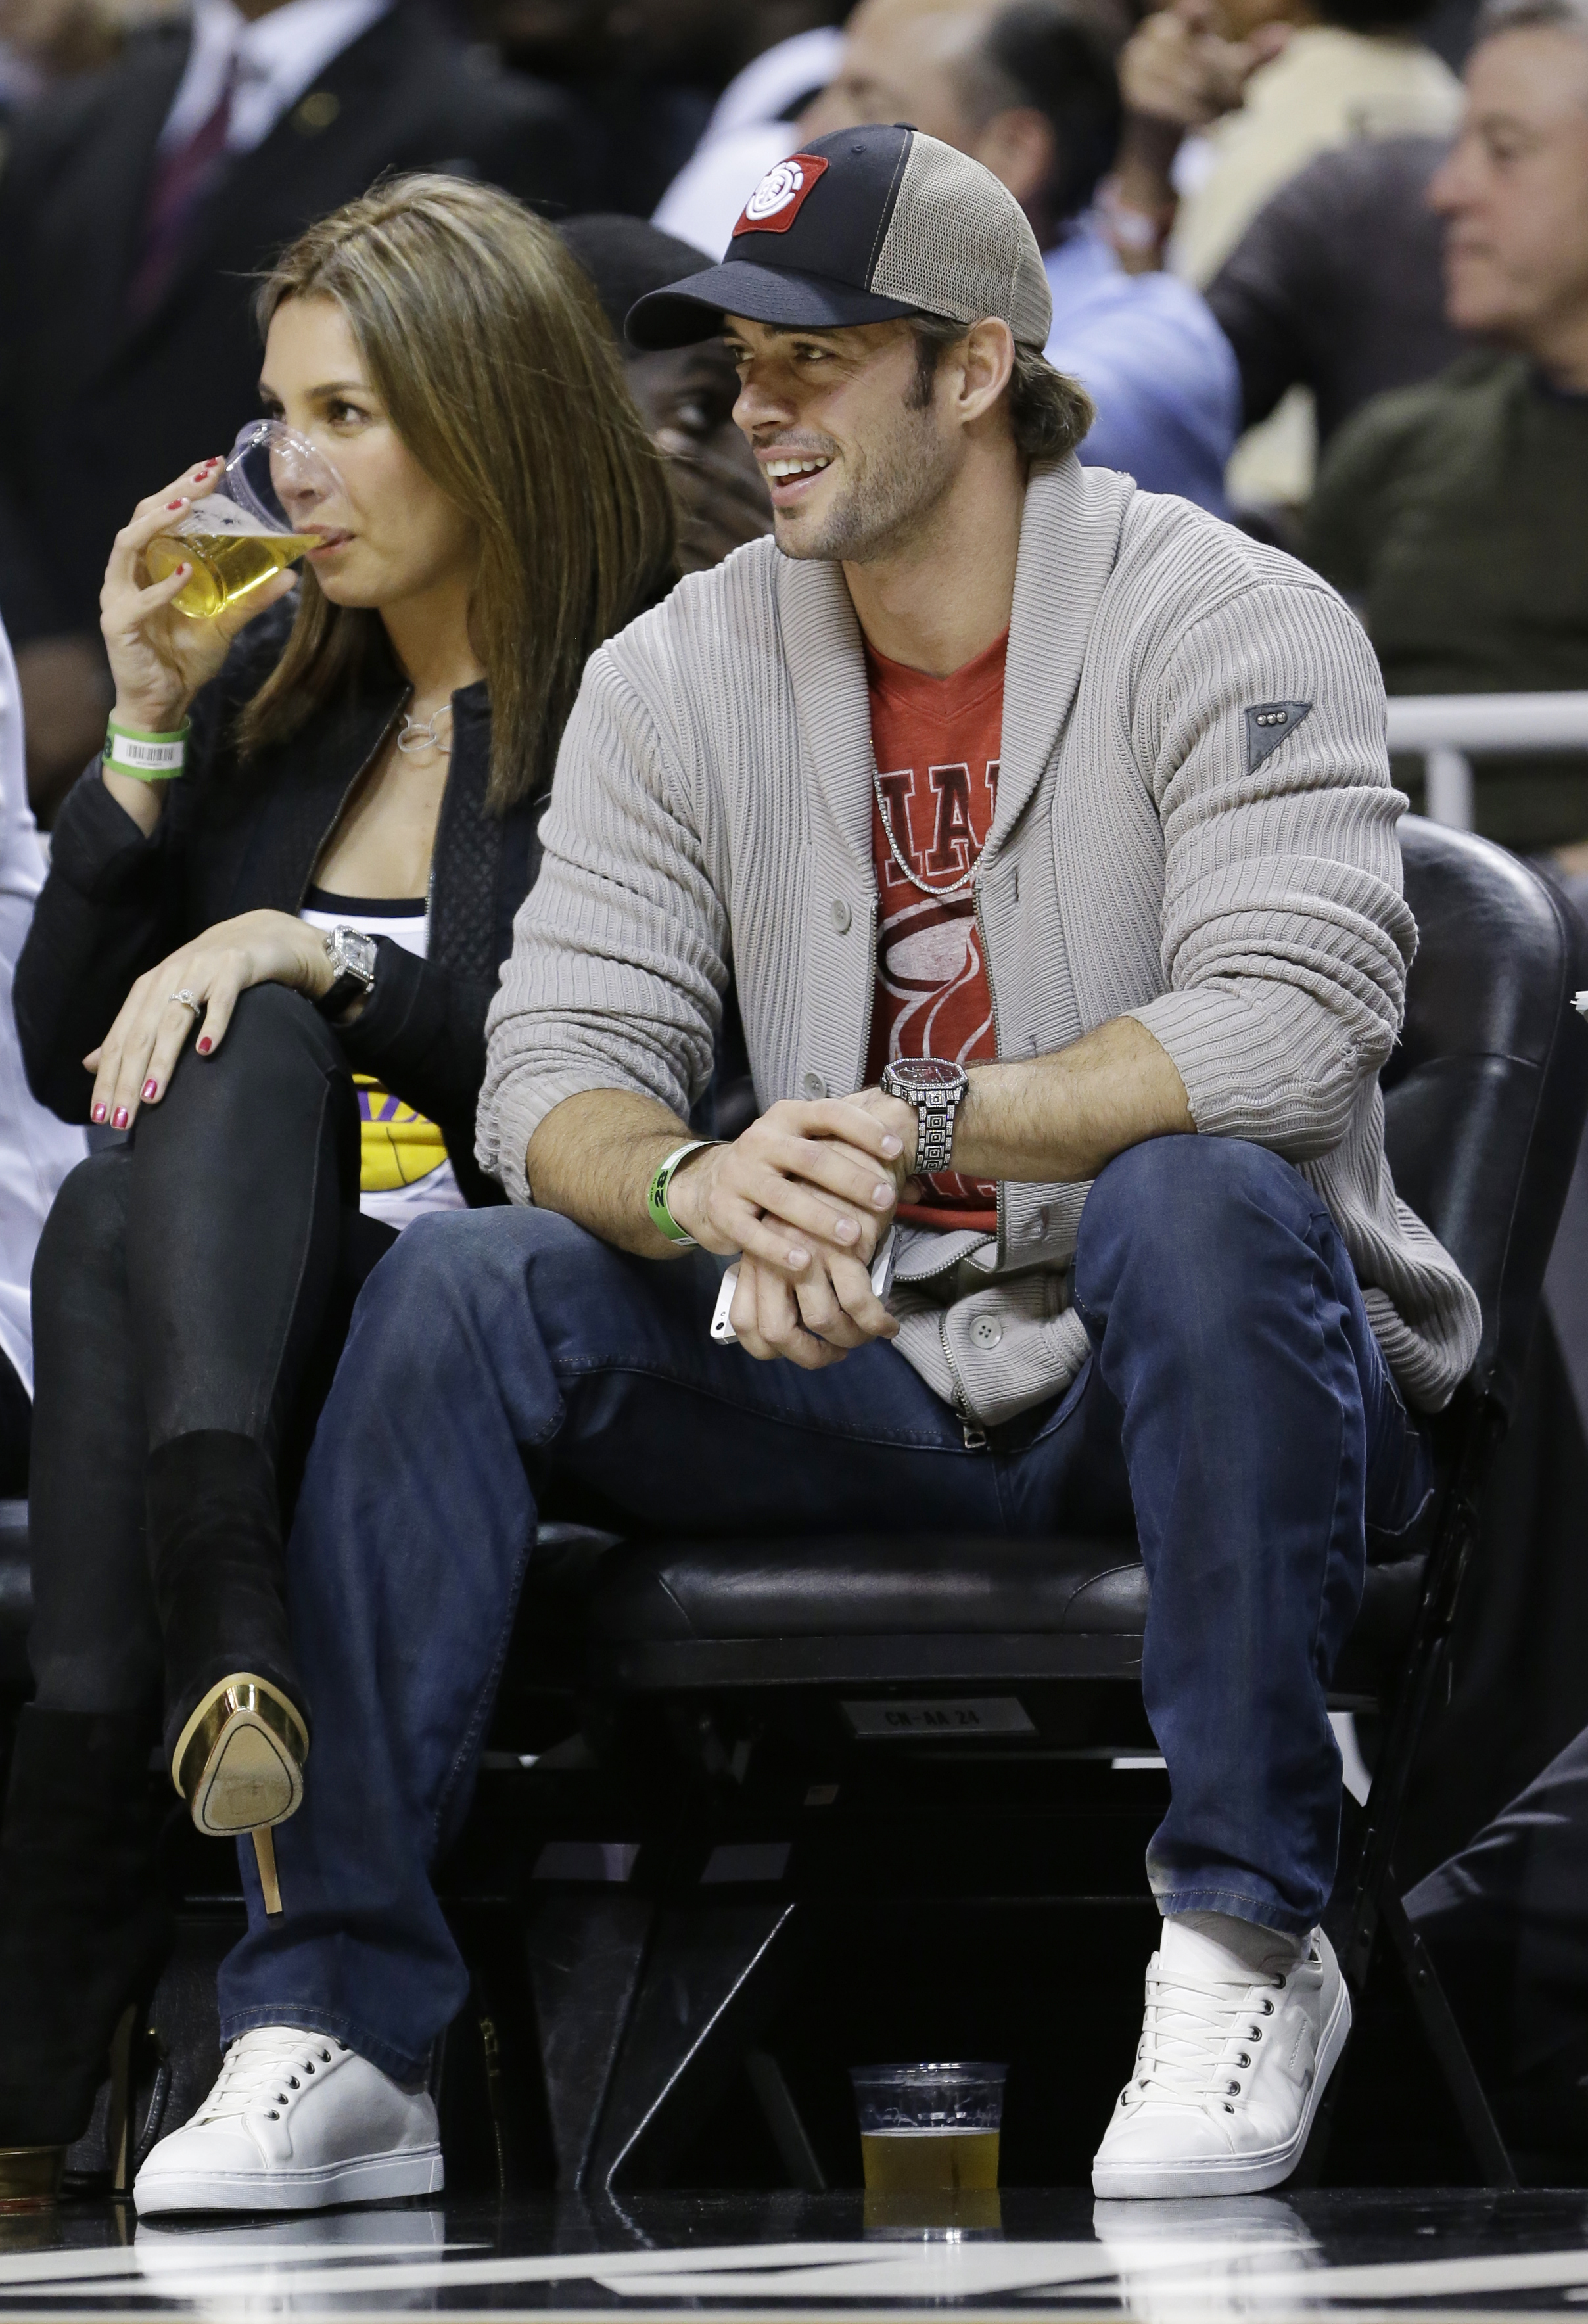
<point x="1048" y="828"/>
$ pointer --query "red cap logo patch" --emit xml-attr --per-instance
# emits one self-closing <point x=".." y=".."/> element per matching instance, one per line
<point x="774" y="206"/>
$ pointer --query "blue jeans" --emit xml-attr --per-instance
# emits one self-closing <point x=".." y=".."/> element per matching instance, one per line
<point x="1235" y="1407"/>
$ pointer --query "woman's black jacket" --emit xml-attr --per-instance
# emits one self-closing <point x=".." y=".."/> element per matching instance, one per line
<point x="245" y="836"/>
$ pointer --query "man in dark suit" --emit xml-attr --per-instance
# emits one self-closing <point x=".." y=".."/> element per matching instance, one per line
<point x="134" y="207"/>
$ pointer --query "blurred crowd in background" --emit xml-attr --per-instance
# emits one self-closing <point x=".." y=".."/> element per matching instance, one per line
<point x="1323" y="265"/>
<point x="1299" y="289"/>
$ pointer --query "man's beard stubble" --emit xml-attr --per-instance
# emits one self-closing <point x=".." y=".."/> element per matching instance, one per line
<point x="891" y="494"/>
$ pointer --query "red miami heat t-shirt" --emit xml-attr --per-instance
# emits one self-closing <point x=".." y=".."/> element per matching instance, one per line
<point x="937" y="741"/>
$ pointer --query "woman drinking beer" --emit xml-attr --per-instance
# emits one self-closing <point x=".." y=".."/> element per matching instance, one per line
<point x="266" y="947"/>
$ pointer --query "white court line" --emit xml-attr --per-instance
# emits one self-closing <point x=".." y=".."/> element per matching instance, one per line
<point x="803" y="2271"/>
<point x="1415" y="2279"/>
<point x="1104" y="2308"/>
<point x="778" y="2270"/>
<point x="30" y="2268"/>
<point x="968" y="2270"/>
<point x="948" y="2271"/>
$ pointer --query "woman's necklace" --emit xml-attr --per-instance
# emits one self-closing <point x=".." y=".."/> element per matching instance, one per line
<point x="412" y="737"/>
<point x="958" y="887"/>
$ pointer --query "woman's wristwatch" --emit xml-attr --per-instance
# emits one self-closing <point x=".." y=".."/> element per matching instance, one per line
<point x="937" y="1090"/>
<point x="353" y="956"/>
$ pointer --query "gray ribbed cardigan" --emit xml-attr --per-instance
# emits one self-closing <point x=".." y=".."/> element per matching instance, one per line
<point x="714" y="796"/>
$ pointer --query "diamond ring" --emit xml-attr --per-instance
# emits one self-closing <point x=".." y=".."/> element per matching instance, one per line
<point x="189" y="1001"/>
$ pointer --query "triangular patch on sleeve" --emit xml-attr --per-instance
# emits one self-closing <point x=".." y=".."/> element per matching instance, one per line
<point x="1267" y="726"/>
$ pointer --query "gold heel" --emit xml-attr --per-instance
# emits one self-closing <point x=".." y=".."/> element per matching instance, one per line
<point x="264" y="1855"/>
<point x="29" y="2176"/>
<point x="239" y="1760"/>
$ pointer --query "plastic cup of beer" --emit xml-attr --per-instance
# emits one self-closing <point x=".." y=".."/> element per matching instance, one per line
<point x="258" y="520"/>
<point x="930" y="2129"/>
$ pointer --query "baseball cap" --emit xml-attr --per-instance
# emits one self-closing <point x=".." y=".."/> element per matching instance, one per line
<point x="862" y="226"/>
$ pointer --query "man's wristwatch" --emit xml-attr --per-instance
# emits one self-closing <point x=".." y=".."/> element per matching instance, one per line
<point x="353" y="956"/>
<point x="937" y="1091"/>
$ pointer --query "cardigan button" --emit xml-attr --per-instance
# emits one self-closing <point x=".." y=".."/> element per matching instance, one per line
<point x="813" y="1085"/>
<point x="986" y="1330"/>
<point x="841" y="916"/>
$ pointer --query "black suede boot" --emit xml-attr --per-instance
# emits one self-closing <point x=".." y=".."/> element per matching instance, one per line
<point x="235" y="1735"/>
<point x="85" y="1927"/>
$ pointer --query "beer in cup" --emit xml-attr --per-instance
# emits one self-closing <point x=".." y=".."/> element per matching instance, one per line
<point x="257" y="521"/>
<point x="930" y="2129"/>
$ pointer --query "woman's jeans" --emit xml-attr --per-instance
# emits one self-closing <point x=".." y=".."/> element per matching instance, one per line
<point x="1235" y="1409"/>
<point x="198" y="1278"/>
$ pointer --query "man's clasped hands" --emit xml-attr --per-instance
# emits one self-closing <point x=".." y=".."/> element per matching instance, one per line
<point x="806" y="1197"/>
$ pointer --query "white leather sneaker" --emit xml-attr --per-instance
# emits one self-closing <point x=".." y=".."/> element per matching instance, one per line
<point x="1229" y="2071"/>
<point x="294" y="2121"/>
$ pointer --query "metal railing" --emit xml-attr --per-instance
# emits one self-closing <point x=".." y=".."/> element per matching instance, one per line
<point x="1448" y="730"/>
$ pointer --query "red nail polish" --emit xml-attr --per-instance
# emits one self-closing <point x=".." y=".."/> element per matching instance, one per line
<point x="170" y="504"/>
<point x="204" y="1046"/>
<point x="120" y="1121"/>
<point x="98" y="1113"/>
<point x="151" y="1090"/>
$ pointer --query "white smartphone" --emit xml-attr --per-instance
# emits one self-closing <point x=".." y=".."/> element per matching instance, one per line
<point x="722" y="1328"/>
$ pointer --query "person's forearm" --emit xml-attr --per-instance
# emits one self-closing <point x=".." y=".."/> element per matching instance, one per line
<point x="145" y="802"/>
<point x="808" y="1189"/>
<point x="1141" y="181"/>
<point x="1059" y="1119"/>
<point x="142" y="802"/>
<point x="592" y="1159"/>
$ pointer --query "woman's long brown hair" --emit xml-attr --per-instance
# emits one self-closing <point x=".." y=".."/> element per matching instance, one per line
<point x="487" y="348"/>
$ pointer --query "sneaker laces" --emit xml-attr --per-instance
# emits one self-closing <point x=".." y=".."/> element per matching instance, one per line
<point x="1186" y="2033"/>
<point x="267" y="2062"/>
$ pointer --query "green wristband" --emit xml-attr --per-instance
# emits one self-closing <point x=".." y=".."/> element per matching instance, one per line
<point x="147" y="758"/>
<point x="661" y="1218"/>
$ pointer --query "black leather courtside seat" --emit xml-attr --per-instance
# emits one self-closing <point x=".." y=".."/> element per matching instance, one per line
<point x="740" y="1615"/>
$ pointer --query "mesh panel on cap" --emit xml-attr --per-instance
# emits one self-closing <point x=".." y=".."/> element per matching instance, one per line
<point x="1030" y="306"/>
<point x="959" y="244"/>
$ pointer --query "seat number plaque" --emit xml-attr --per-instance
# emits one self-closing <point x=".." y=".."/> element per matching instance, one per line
<point x="941" y="1719"/>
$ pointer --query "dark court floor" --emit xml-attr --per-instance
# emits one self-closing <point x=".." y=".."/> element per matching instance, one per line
<point x="1367" y="2255"/>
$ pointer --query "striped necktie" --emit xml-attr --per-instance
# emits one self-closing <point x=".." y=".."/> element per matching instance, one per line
<point x="182" y="176"/>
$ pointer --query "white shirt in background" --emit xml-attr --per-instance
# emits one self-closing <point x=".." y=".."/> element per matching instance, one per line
<point x="777" y="82"/>
<point x="746" y="138"/>
<point x="279" y="56"/>
<point x="36" y="1151"/>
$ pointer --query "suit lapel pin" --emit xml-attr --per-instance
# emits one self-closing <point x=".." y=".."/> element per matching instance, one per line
<point x="315" y="111"/>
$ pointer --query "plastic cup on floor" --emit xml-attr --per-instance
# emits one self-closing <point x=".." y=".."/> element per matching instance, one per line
<point x="931" y="2128"/>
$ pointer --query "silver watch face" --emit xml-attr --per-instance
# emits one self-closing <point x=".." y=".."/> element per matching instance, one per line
<point x="920" y="1077"/>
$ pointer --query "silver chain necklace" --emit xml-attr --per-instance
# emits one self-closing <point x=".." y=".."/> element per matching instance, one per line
<point x="413" y="737"/>
<point x="959" y="887"/>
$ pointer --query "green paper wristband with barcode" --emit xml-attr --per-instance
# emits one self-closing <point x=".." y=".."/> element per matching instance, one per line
<point x="147" y="758"/>
<point x="661" y="1218"/>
